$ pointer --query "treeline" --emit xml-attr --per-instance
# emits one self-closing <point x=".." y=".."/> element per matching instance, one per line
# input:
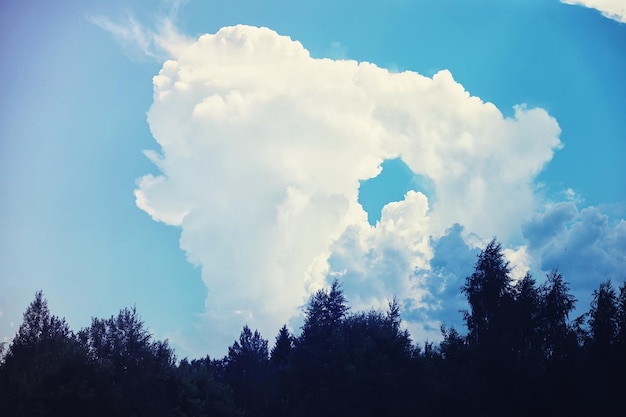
<point x="520" y="355"/>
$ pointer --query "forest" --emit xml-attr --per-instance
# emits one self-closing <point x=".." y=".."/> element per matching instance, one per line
<point x="519" y="354"/>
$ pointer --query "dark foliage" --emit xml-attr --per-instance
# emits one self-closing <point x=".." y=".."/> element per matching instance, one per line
<point x="200" y="392"/>
<point x="246" y="370"/>
<point x="522" y="355"/>
<point x="45" y="371"/>
<point x="135" y="375"/>
<point x="282" y="347"/>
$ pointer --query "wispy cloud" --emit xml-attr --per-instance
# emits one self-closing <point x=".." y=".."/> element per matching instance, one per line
<point x="158" y="39"/>
<point x="612" y="9"/>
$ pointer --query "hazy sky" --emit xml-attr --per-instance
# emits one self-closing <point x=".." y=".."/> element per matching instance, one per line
<point x="214" y="163"/>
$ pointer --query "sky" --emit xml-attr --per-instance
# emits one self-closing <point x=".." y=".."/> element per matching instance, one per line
<point x="216" y="163"/>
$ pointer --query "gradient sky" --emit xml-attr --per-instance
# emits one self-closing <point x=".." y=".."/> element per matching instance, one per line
<point x="494" y="118"/>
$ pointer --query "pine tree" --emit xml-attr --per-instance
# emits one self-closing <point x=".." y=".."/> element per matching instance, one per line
<point x="325" y="311"/>
<point x="283" y="347"/>
<point x="246" y="370"/>
<point x="526" y="321"/>
<point x="603" y="318"/>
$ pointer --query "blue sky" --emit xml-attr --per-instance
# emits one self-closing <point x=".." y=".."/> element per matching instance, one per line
<point x="497" y="119"/>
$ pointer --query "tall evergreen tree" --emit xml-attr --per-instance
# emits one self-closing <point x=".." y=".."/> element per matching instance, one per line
<point x="526" y="320"/>
<point x="247" y="369"/>
<point x="603" y="318"/>
<point x="324" y="312"/>
<point x="282" y="347"/>
<point x="45" y="369"/>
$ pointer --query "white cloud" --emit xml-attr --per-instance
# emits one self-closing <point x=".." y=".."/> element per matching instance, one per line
<point x="519" y="260"/>
<point x="378" y="262"/>
<point x="262" y="150"/>
<point x="612" y="9"/>
<point x="394" y="259"/>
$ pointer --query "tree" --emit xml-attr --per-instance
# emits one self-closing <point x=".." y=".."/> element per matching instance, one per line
<point x="282" y="376"/>
<point x="489" y="295"/>
<point x="250" y="350"/>
<point x="39" y="331"/>
<point x="603" y="318"/>
<point x="621" y="321"/>
<point x="368" y="369"/>
<point x="45" y="370"/>
<point x="283" y="347"/>
<point x="557" y="303"/>
<point x="135" y="373"/>
<point x="246" y="370"/>
<point x="326" y="309"/>
<point x="491" y="331"/>
<point x="526" y="320"/>
<point x="350" y="364"/>
<point x="617" y="361"/>
<point x="453" y="347"/>
<point x="316" y="350"/>
<point x="200" y="393"/>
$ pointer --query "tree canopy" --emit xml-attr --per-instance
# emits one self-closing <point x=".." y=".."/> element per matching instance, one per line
<point x="522" y="354"/>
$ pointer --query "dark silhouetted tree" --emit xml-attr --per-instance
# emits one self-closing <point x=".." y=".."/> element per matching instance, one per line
<point x="282" y="347"/>
<point x="39" y="331"/>
<point x="246" y="371"/>
<point x="620" y="338"/>
<point x="522" y="355"/>
<point x="315" y="353"/>
<point x="526" y="321"/>
<point x="603" y="318"/>
<point x="200" y="393"/>
<point x="45" y="369"/>
<point x="621" y="321"/>
<point x="251" y="348"/>
<point x="324" y="312"/>
<point x="490" y="297"/>
<point x="557" y="304"/>
<point x="136" y="374"/>
<point x="560" y="345"/>
<point x="453" y="347"/>
<point x="351" y="364"/>
<point x="369" y="365"/>
<point x="282" y="375"/>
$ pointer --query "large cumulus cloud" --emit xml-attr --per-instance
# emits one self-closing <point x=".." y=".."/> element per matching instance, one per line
<point x="261" y="152"/>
